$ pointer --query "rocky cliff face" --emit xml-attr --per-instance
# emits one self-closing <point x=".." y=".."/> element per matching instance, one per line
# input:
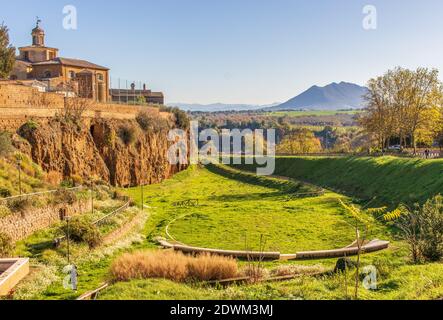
<point x="95" y="148"/>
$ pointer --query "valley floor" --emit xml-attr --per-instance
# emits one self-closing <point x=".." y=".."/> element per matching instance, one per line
<point x="234" y="213"/>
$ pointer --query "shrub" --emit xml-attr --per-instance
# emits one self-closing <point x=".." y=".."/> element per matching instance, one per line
<point x="19" y="204"/>
<point x="4" y="193"/>
<point x="101" y="194"/>
<point x="6" y="245"/>
<point x="127" y="134"/>
<point x="63" y="196"/>
<point x="5" y="144"/>
<point x="27" y="128"/>
<point x="181" y="117"/>
<point x="431" y="227"/>
<point x="145" y="120"/>
<point x="173" y="266"/>
<point x="422" y="228"/>
<point x="81" y="230"/>
<point x="118" y="195"/>
<point x="76" y="180"/>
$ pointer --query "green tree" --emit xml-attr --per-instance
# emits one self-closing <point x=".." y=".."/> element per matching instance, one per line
<point x="7" y="53"/>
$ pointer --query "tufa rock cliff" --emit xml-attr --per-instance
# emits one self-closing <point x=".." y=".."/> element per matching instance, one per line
<point x="116" y="151"/>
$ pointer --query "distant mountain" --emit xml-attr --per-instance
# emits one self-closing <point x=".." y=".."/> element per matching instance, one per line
<point x="215" y="107"/>
<point x="334" y="96"/>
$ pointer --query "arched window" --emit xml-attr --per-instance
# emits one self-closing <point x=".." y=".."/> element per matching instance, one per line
<point x="100" y="77"/>
<point x="72" y="74"/>
<point x="47" y="74"/>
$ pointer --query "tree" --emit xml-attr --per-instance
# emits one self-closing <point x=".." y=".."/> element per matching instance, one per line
<point x="403" y="104"/>
<point x="299" y="141"/>
<point x="7" y="53"/>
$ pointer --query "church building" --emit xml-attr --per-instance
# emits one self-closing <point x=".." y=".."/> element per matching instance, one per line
<point x="39" y="62"/>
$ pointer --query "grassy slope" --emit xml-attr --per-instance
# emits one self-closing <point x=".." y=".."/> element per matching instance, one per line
<point x="396" y="278"/>
<point x="392" y="180"/>
<point x="232" y="211"/>
<point x="31" y="175"/>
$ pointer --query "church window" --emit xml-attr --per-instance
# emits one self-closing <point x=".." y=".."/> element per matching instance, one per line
<point x="47" y="74"/>
<point x="72" y="74"/>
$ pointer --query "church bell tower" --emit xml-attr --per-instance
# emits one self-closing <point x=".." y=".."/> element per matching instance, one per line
<point x="38" y="35"/>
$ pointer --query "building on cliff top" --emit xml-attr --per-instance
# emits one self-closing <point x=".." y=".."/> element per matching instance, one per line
<point x="72" y="77"/>
<point x="69" y="76"/>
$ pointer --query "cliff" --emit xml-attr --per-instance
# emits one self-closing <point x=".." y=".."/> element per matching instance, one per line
<point x="94" y="148"/>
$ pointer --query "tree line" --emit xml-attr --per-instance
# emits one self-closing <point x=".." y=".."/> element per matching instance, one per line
<point x="404" y="107"/>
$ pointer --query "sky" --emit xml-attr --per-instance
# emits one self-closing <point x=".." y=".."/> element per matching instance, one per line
<point x="237" y="51"/>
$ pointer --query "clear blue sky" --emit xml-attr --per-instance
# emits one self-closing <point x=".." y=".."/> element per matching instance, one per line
<point x="238" y="51"/>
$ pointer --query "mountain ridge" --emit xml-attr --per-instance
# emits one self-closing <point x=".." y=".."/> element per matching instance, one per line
<point x="334" y="96"/>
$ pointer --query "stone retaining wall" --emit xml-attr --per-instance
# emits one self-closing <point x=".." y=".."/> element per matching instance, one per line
<point x="21" y="225"/>
<point x="19" y="104"/>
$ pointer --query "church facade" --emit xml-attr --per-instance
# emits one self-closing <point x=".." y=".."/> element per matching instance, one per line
<point x="79" y="77"/>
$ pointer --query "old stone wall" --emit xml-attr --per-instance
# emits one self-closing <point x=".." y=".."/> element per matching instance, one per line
<point x="21" y="225"/>
<point x="19" y="103"/>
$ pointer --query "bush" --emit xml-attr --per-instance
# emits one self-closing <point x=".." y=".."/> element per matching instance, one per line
<point x="6" y="245"/>
<point x="145" y="120"/>
<point x="77" y="180"/>
<point x="173" y="266"/>
<point x="81" y="230"/>
<point x="181" y="117"/>
<point x="431" y="227"/>
<point x="4" y="193"/>
<point x="422" y="228"/>
<point x="19" y="204"/>
<point x="63" y="196"/>
<point x="127" y="134"/>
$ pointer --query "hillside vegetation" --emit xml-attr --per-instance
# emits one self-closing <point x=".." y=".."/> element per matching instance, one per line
<point x="391" y="180"/>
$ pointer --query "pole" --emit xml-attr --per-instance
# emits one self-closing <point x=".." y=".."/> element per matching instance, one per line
<point x="67" y="238"/>
<point x="142" y="196"/>
<point x="19" y="167"/>
<point x="92" y="198"/>
<point x="119" y="92"/>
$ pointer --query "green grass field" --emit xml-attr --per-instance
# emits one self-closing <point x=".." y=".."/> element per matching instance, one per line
<point x="230" y="208"/>
<point x="235" y="207"/>
<point x="392" y="180"/>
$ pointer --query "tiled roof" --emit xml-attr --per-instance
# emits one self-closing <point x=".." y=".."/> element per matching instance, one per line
<point x="72" y="62"/>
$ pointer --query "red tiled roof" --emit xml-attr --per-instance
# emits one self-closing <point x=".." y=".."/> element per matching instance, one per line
<point x="71" y="62"/>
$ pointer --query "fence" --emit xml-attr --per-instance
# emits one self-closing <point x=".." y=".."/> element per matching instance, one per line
<point x="132" y="92"/>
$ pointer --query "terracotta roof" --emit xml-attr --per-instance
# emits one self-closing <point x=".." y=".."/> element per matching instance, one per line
<point x="33" y="47"/>
<point x="72" y="62"/>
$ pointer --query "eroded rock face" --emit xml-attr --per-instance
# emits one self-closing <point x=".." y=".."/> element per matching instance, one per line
<point x="94" y="148"/>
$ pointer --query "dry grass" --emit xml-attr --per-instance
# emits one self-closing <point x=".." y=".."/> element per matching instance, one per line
<point x="173" y="266"/>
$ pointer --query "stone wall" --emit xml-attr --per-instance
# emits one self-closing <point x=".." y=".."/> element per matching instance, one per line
<point x="21" y="225"/>
<point x="19" y="103"/>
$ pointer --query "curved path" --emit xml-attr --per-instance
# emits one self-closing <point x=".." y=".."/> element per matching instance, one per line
<point x="351" y="250"/>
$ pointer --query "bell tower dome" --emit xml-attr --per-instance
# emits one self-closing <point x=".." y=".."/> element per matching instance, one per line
<point x="38" y="35"/>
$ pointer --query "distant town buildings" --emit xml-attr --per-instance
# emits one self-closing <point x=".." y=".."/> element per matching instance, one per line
<point x="40" y="66"/>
